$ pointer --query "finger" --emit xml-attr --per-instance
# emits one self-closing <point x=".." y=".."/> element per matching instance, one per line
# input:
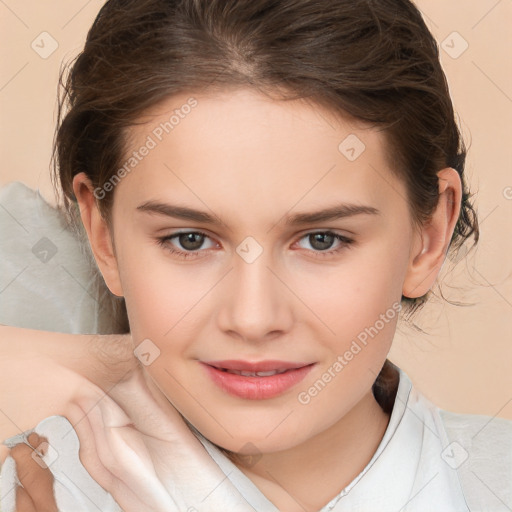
<point x="80" y="417"/>
<point x="121" y="448"/>
<point x="34" y="474"/>
<point x="106" y="454"/>
<point x="82" y="414"/>
<point x="24" y="502"/>
<point x="88" y="454"/>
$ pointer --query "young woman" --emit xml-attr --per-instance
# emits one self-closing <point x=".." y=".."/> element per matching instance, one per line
<point x="267" y="185"/>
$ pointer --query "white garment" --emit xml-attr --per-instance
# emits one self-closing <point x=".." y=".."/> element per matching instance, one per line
<point x="428" y="460"/>
<point x="48" y="280"/>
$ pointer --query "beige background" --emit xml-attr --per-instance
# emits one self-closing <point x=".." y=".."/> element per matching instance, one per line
<point x="463" y="363"/>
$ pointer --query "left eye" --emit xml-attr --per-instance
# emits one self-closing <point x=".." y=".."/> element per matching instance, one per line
<point x="321" y="241"/>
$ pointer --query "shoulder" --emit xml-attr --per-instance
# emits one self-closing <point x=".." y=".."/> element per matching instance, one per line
<point x="478" y="428"/>
<point x="487" y="436"/>
<point x="480" y="450"/>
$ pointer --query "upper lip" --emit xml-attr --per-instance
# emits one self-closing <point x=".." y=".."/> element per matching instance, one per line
<point x="258" y="366"/>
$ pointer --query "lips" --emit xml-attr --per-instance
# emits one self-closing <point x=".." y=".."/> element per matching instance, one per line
<point x="246" y="373"/>
<point x="261" y="366"/>
<point x="256" y="380"/>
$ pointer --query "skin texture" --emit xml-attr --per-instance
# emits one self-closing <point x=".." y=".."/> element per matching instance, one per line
<point x="251" y="161"/>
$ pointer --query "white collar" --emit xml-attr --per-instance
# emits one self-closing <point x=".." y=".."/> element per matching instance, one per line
<point x="406" y="473"/>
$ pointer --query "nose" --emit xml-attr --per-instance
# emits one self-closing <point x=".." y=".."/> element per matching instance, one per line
<point x="256" y="305"/>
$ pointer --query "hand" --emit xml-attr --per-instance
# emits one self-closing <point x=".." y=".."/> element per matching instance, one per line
<point x="133" y="426"/>
<point x="140" y="449"/>
<point x="45" y="370"/>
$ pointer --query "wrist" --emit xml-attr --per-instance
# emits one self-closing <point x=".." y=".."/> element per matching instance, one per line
<point x="109" y="359"/>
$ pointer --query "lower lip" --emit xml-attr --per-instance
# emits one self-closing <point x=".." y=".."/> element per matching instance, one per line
<point x="256" y="388"/>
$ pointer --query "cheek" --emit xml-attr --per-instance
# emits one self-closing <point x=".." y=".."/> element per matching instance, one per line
<point x="363" y="315"/>
<point x="351" y="296"/>
<point x="156" y="295"/>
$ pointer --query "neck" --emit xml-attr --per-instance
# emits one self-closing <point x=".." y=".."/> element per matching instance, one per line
<point x="306" y="477"/>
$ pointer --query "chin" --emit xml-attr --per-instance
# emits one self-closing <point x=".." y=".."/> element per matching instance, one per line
<point x="251" y="439"/>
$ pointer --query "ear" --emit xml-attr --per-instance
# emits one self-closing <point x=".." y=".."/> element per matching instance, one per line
<point x="98" y="233"/>
<point x="433" y="238"/>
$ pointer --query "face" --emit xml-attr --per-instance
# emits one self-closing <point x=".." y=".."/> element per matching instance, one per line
<point x="254" y="282"/>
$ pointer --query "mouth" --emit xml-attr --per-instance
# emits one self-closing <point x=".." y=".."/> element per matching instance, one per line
<point x="256" y="380"/>
<point x="253" y="374"/>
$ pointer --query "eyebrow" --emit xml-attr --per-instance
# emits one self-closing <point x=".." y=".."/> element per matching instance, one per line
<point x="338" y="211"/>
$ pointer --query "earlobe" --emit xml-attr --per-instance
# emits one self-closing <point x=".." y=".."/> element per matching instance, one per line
<point x="98" y="233"/>
<point x="433" y="238"/>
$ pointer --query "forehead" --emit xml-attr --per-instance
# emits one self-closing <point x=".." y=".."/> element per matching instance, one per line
<point x="241" y="149"/>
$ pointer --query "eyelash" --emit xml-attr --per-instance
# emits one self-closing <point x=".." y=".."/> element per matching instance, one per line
<point x="162" y="241"/>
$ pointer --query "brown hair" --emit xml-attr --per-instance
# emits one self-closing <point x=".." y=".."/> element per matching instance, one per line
<point x="373" y="60"/>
